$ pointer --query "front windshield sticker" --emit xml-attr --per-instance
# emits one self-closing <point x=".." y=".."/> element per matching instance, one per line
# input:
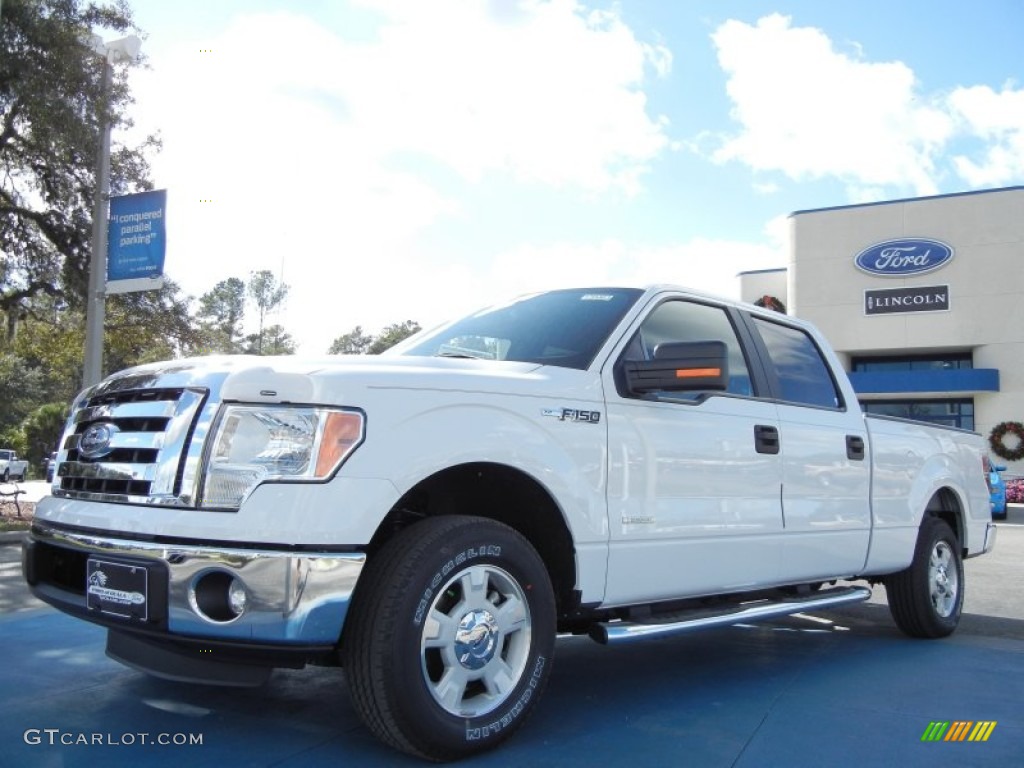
<point x="596" y="297"/>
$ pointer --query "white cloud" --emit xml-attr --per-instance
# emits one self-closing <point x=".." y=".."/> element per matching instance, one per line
<point x="551" y="95"/>
<point x="329" y="160"/>
<point x="998" y="119"/>
<point x="809" y="111"/>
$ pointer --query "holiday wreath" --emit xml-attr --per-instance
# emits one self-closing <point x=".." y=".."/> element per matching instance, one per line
<point x="999" y="431"/>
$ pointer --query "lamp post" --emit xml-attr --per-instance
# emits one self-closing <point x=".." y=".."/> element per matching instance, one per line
<point x="125" y="49"/>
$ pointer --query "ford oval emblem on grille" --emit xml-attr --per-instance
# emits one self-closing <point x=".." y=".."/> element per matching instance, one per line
<point x="95" y="441"/>
<point x="902" y="258"/>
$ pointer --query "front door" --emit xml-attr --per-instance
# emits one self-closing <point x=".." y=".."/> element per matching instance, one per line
<point x="695" y="478"/>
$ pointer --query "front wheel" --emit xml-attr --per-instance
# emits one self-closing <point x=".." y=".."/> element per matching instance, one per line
<point x="7" y="475"/>
<point x="448" y="643"/>
<point x="926" y="599"/>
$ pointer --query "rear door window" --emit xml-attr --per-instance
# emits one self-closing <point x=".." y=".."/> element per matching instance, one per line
<point x="802" y="373"/>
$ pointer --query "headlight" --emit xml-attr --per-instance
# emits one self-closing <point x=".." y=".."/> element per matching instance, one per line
<point x="253" y="444"/>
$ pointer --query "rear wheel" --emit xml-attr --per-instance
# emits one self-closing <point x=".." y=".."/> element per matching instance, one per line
<point x="926" y="599"/>
<point x="448" y="643"/>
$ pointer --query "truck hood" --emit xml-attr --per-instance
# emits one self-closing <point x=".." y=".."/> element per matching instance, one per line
<point x="338" y="379"/>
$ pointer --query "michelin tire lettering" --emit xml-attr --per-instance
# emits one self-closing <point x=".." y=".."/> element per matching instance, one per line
<point x="468" y="554"/>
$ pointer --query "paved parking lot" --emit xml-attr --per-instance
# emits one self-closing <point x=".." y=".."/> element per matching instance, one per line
<point x="842" y="688"/>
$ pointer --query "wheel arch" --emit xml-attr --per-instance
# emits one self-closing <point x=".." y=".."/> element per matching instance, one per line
<point x="496" y="492"/>
<point x="946" y="504"/>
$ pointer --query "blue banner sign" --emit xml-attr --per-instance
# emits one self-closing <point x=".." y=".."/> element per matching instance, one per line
<point x="903" y="258"/>
<point x="136" y="242"/>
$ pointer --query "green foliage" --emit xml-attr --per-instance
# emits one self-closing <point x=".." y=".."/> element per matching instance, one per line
<point x="221" y="310"/>
<point x="355" y="342"/>
<point x="147" y="326"/>
<point x="268" y="295"/>
<point x="275" y="341"/>
<point x="392" y="335"/>
<point x="21" y="389"/>
<point x="42" y="430"/>
<point x="52" y="348"/>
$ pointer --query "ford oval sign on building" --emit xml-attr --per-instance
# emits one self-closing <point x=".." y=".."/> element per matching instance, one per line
<point x="904" y="258"/>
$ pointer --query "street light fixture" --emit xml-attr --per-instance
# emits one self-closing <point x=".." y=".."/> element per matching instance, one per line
<point x="124" y="49"/>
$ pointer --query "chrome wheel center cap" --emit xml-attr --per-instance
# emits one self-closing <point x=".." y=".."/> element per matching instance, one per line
<point x="476" y="639"/>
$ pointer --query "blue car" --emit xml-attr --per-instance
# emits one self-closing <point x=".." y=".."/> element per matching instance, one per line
<point x="997" y="489"/>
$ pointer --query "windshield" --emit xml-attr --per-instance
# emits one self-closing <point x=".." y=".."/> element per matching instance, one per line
<point x="564" y="328"/>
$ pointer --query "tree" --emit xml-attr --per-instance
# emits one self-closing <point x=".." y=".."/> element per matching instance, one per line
<point x="21" y="388"/>
<point x="51" y="112"/>
<point x="276" y="341"/>
<point x="391" y="335"/>
<point x="42" y="430"/>
<point x="268" y="295"/>
<point x="221" y="310"/>
<point x="146" y="326"/>
<point x="355" y="342"/>
<point x="51" y="348"/>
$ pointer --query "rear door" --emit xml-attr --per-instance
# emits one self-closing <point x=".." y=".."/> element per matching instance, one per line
<point x="825" y="457"/>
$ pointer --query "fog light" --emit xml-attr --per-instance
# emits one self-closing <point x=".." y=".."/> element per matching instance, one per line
<point x="218" y="596"/>
<point x="238" y="598"/>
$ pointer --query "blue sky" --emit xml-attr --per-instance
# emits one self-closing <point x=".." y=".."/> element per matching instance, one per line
<point x="399" y="160"/>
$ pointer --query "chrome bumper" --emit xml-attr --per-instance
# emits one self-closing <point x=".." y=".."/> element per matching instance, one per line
<point x="295" y="598"/>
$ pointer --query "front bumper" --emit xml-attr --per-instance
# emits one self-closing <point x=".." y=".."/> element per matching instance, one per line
<point x="296" y="599"/>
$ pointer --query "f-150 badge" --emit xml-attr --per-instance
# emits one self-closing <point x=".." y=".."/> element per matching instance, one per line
<point x="572" y="414"/>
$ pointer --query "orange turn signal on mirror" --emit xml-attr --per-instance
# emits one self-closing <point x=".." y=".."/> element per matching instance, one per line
<point x="697" y="373"/>
<point x="343" y="431"/>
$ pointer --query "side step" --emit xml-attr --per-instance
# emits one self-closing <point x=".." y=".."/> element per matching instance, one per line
<point x="625" y="631"/>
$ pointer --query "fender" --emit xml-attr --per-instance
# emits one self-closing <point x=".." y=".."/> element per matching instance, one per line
<point x="897" y="515"/>
<point x="565" y="457"/>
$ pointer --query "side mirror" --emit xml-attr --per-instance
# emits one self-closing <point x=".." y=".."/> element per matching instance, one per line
<point x="683" y="366"/>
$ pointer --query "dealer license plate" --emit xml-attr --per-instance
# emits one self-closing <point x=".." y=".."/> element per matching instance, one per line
<point x="117" y="589"/>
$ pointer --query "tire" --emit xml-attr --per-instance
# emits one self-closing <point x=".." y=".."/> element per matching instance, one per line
<point x="926" y="599"/>
<point x="447" y="645"/>
<point x="7" y="475"/>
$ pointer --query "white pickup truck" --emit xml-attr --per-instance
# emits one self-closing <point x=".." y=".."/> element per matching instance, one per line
<point x="620" y="462"/>
<point x="11" y="467"/>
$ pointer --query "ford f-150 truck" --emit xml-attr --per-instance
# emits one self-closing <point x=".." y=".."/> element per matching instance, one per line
<point x="11" y="467"/>
<point x="619" y="462"/>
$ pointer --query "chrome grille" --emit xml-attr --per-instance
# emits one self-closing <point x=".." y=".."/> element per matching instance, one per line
<point x="129" y="444"/>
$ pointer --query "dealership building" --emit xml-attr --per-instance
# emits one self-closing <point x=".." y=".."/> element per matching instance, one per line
<point x="923" y="300"/>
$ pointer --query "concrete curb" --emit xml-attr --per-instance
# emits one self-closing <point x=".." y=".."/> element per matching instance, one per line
<point x="12" y="537"/>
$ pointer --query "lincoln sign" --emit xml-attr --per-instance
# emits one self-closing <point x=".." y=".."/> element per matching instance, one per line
<point x="903" y="258"/>
<point x="932" y="298"/>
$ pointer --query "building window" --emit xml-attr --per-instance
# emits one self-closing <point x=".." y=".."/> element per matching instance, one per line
<point x="949" y="413"/>
<point x="945" y="362"/>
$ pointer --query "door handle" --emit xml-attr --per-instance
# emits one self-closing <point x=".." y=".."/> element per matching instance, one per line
<point x="766" y="439"/>
<point x="855" y="447"/>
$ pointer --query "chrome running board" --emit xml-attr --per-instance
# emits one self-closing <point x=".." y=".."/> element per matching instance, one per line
<point x="625" y="631"/>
